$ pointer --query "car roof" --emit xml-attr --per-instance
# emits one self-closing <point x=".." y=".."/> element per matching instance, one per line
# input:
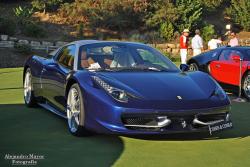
<point x="235" y="47"/>
<point x="85" y="42"/>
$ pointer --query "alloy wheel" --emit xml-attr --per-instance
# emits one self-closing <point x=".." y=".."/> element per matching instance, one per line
<point x="73" y="110"/>
<point x="193" y="67"/>
<point x="27" y="87"/>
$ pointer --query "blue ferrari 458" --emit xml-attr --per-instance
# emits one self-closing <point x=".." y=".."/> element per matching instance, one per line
<point x="124" y="88"/>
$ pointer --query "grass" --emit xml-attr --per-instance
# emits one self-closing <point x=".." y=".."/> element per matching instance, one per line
<point x="34" y="130"/>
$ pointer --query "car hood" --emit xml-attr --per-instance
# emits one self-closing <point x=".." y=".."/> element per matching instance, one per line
<point x="162" y="85"/>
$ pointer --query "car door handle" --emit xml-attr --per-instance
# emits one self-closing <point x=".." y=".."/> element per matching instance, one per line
<point x="217" y="66"/>
<point x="44" y="69"/>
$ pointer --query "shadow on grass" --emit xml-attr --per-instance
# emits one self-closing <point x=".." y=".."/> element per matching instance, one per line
<point x="14" y="71"/>
<point x="11" y="88"/>
<point x="24" y="131"/>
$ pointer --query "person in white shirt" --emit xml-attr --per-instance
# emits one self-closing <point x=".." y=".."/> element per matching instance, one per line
<point x="214" y="43"/>
<point x="197" y="43"/>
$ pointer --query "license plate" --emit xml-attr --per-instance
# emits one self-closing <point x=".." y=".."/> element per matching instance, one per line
<point x="220" y="126"/>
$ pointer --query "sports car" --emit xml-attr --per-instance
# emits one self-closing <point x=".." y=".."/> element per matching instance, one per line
<point x="123" y="88"/>
<point x="223" y="64"/>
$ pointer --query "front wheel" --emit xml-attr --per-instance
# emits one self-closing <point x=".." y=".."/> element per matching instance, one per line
<point x="29" y="97"/>
<point x="193" y="67"/>
<point x="75" y="111"/>
<point x="246" y="85"/>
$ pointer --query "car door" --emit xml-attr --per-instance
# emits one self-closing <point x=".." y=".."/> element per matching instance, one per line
<point x="226" y="70"/>
<point x="54" y="75"/>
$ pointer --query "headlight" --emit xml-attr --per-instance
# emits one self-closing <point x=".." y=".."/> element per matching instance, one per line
<point x="117" y="94"/>
<point x="220" y="93"/>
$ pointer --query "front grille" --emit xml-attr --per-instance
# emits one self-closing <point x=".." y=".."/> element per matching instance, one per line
<point x="185" y="122"/>
<point x="140" y="121"/>
<point x="211" y="117"/>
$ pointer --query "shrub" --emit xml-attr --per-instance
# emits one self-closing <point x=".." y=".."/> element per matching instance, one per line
<point x="168" y="55"/>
<point x="167" y="31"/>
<point x="31" y="29"/>
<point x="46" y="4"/>
<point x="7" y="26"/>
<point x="22" y="14"/>
<point x="23" y="48"/>
<point x="208" y="32"/>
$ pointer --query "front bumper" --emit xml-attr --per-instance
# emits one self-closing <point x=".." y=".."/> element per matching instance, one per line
<point x="107" y="118"/>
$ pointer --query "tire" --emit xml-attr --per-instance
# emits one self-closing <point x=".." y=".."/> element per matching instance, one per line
<point x="246" y="85"/>
<point x="29" y="97"/>
<point x="76" y="111"/>
<point x="193" y="67"/>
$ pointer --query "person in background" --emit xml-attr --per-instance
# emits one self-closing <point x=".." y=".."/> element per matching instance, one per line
<point x="234" y="40"/>
<point x="214" y="43"/>
<point x="197" y="43"/>
<point x="219" y="42"/>
<point x="184" y="45"/>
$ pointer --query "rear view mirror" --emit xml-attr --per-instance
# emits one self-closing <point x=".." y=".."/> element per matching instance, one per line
<point x="184" y="67"/>
<point x="236" y="57"/>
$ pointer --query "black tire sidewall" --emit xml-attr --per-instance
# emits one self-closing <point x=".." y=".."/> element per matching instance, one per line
<point x="243" y="88"/>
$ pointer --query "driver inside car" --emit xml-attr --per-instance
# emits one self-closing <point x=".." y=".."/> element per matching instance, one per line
<point x="88" y="62"/>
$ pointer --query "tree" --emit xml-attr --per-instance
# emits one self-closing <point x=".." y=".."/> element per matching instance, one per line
<point x="190" y="12"/>
<point x="160" y="12"/>
<point x="46" y="4"/>
<point x="211" y="5"/>
<point x="239" y="11"/>
<point x="111" y="14"/>
<point x="167" y="30"/>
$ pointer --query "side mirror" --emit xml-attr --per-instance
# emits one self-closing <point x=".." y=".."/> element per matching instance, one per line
<point x="184" y="67"/>
<point x="236" y="57"/>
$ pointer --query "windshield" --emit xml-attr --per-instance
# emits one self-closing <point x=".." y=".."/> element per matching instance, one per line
<point x="123" y="57"/>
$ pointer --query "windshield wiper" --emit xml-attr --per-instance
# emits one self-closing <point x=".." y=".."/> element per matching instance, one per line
<point x="135" y="68"/>
<point x="138" y="68"/>
<point x="101" y="69"/>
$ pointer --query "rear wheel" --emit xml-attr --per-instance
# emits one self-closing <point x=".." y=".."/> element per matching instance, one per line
<point x="193" y="67"/>
<point x="29" y="97"/>
<point x="246" y="85"/>
<point x="75" y="111"/>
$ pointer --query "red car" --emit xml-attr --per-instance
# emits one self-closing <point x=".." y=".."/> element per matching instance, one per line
<point x="223" y="64"/>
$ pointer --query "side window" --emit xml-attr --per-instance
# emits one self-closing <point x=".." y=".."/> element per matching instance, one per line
<point x="247" y="56"/>
<point x="66" y="56"/>
<point x="228" y="54"/>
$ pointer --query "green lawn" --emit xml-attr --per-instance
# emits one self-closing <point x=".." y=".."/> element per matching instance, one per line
<point x="34" y="130"/>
